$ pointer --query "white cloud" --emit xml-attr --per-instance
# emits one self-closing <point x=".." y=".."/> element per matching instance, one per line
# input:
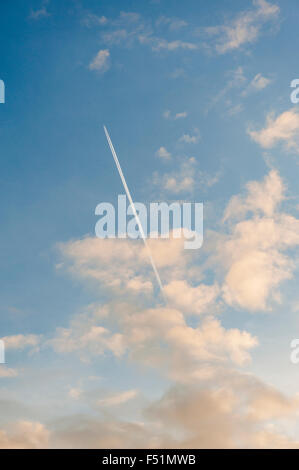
<point x="101" y="61"/>
<point x="163" y="153"/>
<point x="234" y="408"/>
<point x="94" y="20"/>
<point x="143" y="335"/>
<point x="174" y="24"/>
<point x="181" y="180"/>
<point x="261" y="198"/>
<point x="190" y="139"/>
<point x="180" y="115"/>
<point x="146" y="331"/>
<point x="126" y="266"/>
<point x="245" y="29"/>
<point x="20" y="342"/>
<point x="139" y="332"/>
<point x="129" y="16"/>
<point x="160" y="44"/>
<point x="167" y="115"/>
<point x="236" y="88"/>
<point x="75" y="393"/>
<point x="87" y="337"/>
<point x="259" y="82"/>
<point x="253" y="253"/>
<point x="236" y="80"/>
<point x="185" y="178"/>
<point x="118" y="36"/>
<point x="192" y="299"/>
<point x="281" y="129"/>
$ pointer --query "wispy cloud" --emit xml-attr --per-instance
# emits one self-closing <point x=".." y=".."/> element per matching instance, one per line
<point x="41" y="12"/>
<point x="174" y="24"/>
<point x="160" y="44"/>
<point x="236" y="89"/>
<point x="259" y="82"/>
<point x="168" y="115"/>
<point x="131" y="17"/>
<point x="93" y="20"/>
<point x="131" y="27"/>
<point x="118" y="398"/>
<point x="244" y="29"/>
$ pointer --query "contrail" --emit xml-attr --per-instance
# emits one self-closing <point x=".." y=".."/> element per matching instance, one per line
<point x="134" y="212"/>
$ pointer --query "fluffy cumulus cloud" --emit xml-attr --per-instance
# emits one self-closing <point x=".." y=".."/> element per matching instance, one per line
<point x="252" y="251"/>
<point x="280" y="129"/>
<point x="122" y="267"/>
<point x="190" y="347"/>
<point x="260" y="197"/>
<point x="194" y="299"/>
<point x="255" y="251"/>
<point x="142" y="334"/>
<point x="126" y="263"/>
<point x="155" y="336"/>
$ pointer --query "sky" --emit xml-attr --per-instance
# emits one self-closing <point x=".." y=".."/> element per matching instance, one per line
<point x="196" y="98"/>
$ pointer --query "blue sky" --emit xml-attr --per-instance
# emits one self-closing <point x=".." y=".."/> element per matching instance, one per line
<point x="186" y="90"/>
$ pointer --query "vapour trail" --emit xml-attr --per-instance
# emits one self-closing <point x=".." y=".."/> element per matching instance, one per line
<point x="135" y="212"/>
